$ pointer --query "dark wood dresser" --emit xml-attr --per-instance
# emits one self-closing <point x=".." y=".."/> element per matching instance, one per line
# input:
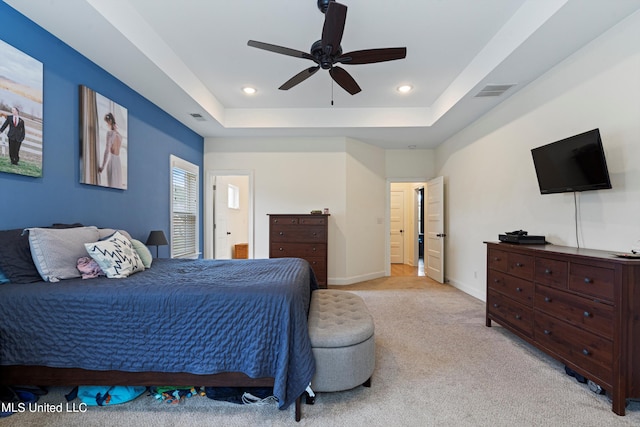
<point x="301" y="236"/>
<point x="580" y="306"/>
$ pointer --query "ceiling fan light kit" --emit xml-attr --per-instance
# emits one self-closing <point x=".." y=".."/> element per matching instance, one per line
<point x="327" y="52"/>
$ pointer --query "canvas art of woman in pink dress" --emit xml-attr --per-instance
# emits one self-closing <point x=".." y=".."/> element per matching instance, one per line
<point x="111" y="159"/>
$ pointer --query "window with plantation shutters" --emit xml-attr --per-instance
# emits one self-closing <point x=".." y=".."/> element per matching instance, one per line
<point x="184" y="209"/>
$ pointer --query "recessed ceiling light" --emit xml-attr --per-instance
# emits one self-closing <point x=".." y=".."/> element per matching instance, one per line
<point x="249" y="90"/>
<point x="405" y="88"/>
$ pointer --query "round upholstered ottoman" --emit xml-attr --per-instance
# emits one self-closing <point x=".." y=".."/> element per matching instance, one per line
<point x="342" y="339"/>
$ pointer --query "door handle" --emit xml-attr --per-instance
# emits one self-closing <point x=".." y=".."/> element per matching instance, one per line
<point x="228" y="232"/>
<point x="441" y="235"/>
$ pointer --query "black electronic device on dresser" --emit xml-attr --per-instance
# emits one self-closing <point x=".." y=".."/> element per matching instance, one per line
<point x="521" y="236"/>
<point x="580" y="306"/>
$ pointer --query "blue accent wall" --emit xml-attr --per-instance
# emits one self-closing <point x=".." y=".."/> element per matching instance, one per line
<point x="58" y="195"/>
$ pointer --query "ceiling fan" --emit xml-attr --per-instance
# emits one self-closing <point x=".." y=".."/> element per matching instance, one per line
<point x="327" y="52"/>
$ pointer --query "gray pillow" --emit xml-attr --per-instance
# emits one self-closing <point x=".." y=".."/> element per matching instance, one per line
<point x="108" y="232"/>
<point x="55" y="252"/>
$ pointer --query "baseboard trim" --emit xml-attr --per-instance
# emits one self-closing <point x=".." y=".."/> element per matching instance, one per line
<point x="468" y="290"/>
<point x="355" y="279"/>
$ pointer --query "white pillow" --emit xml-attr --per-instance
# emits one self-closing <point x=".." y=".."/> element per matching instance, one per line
<point x="55" y="252"/>
<point x="115" y="256"/>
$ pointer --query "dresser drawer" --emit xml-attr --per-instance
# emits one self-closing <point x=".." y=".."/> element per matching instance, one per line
<point x="581" y="312"/>
<point x="284" y="219"/>
<point x="591" y="352"/>
<point x="513" y="287"/>
<point x="320" y="220"/>
<point x="551" y="272"/>
<point x="591" y="280"/>
<point x="520" y="265"/>
<point x="297" y="250"/>
<point x="319" y="266"/>
<point x="510" y="312"/>
<point x="497" y="260"/>
<point x="307" y="233"/>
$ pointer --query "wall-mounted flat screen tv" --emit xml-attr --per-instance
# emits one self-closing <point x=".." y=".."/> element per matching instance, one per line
<point x="572" y="164"/>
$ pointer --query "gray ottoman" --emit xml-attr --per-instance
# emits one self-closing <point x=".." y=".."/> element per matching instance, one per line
<point x="342" y="339"/>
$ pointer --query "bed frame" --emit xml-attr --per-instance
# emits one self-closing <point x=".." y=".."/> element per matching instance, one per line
<point x="45" y="376"/>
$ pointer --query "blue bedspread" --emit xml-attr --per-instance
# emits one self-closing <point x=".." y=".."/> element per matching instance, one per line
<point x="196" y="316"/>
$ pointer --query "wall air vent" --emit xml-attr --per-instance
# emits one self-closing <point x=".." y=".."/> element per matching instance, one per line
<point x="198" y="117"/>
<point x="493" y="90"/>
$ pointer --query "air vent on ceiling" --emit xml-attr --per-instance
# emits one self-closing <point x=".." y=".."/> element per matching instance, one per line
<point x="198" y="117"/>
<point x="493" y="90"/>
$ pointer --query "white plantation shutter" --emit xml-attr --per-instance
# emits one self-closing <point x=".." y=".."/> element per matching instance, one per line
<point x="184" y="209"/>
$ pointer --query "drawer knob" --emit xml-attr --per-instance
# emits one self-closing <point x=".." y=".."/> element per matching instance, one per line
<point x="496" y="280"/>
<point x="275" y="221"/>
<point x="496" y="259"/>
<point x="282" y="233"/>
<point x="518" y="317"/>
<point x="547" y="299"/>
<point x="314" y="249"/>
<point x="547" y="271"/>
<point x="588" y="280"/>
<point x="293" y="221"/>
<point x="586" y="352"/>
<point x="281" y="249"/>
<point x="315" y="234"/>
<point x="518" y="264"/>
<point x="495" y="306"/>
<point x="587" y="314"/>
<point x="518" y="289"/>
<point x="547" y="332"/>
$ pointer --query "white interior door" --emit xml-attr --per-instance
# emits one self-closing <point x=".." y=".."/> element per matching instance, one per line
<point x="221" y="246"/>
<point x="239" y="222"/>
<point x="397" y="227"/>
<point x="434" y="232"/>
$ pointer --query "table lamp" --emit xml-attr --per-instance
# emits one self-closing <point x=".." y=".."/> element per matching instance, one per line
<point x="157" y="238"/>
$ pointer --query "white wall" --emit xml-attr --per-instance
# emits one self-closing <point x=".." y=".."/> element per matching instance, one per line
<point x="365" y="213"/>
<point x="418" y="165"/>
<point x="297" y="175"/>
<point x="490" y="182"/>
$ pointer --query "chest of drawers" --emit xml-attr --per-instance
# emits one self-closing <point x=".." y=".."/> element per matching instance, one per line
<point x="580" y="306"/>
<point x="301" y="236"/>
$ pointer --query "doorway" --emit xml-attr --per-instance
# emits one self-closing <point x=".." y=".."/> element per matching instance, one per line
<point x="406" y="228"/>
<point x="432" y="222"/>
<point x="228" y="214"/>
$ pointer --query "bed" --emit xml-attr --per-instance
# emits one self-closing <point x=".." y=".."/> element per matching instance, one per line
<point x="180" y="322"/>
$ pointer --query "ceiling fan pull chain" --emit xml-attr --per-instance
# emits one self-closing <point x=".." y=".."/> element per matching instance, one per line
<point x="332" y="92"/>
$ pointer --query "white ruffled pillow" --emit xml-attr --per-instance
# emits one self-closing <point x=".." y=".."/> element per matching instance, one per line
<point x="115" y="256"/>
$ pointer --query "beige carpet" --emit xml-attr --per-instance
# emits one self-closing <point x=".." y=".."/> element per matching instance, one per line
<point x="436" y="365"/>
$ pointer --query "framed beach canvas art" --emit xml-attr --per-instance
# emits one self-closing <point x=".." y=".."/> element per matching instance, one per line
<point x="20" y="112"/>
<point x="103" y="141"/>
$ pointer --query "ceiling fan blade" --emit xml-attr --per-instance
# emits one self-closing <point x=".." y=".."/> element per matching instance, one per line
<point x="344" y="79"/>
<point x="280" y="50"/>
<point x="370" y="56"/>
<point x="299" y="78"/>
<point x="334" y="19"/>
